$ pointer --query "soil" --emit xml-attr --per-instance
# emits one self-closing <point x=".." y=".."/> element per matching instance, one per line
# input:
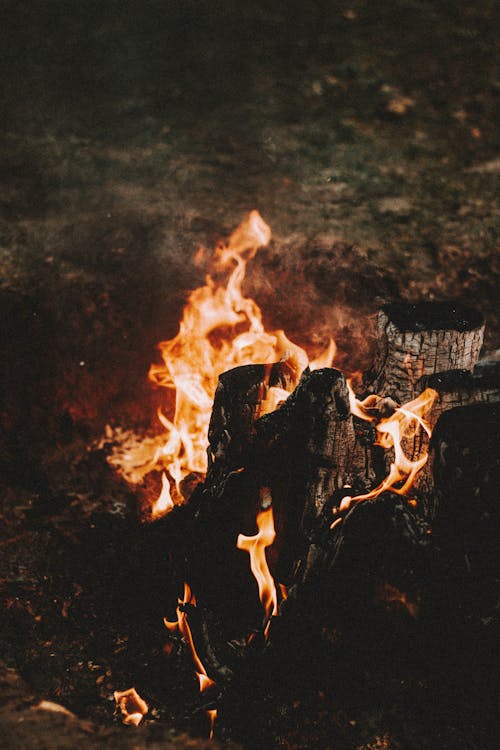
<point x="133" y="133"/>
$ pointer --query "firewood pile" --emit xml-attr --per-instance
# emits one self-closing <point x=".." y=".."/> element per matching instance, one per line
<point x="429" y="551"/>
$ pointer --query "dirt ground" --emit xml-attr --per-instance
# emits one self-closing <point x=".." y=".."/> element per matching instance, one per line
<point x="133" y="132"/>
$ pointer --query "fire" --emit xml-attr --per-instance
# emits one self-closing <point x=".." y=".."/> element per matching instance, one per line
<point x="164" y="503"/>
<point x="256" y="548"/>
<point x="182" y="625"/>
<point x="220" y="329"/>
<point x="393" y="431"/>
<point x="132" y="706"/>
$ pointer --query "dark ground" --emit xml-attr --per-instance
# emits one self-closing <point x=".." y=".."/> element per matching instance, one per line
<point x="367" y="136"/>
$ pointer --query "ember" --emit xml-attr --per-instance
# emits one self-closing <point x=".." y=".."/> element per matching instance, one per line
<point x="132" y="706"/>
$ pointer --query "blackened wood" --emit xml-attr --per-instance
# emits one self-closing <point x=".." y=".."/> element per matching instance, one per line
<point x="463" y="388"/>
<point x="239" y="393"/>
<point x="417" y="340"/>
<point x="465" y="458"/>
<point x="380" y="540"/>
<point x="362" y="475"/>
<point x="454" y="388"/>
<point x="237" y="404"/>
<point x="303" y="453"/>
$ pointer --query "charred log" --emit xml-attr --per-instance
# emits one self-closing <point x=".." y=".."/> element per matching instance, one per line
<point x="463" y="388"/>
<point x="381" y="540"/>
<point x="303" y="453"/>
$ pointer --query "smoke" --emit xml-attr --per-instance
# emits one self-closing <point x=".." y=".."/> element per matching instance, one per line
<point x="319" y="289"/>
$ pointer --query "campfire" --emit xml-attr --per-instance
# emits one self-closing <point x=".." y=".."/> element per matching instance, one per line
<point x="298" y="506"/>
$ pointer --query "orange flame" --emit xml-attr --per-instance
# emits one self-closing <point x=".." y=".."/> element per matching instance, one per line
<point x="393" y="430"/>
<point x="132" y="706"/>
<point x="182" y="625"/>
<point x="220" y="329"/>
<point x="164" y="503"/>
<point x="256" y="548"/>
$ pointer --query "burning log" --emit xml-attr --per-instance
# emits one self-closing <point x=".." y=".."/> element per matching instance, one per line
<point x="239" y="400"/>
<point x="427" y="345"/>
<point x="296" y="457"/>
<point x="303" y="453"/>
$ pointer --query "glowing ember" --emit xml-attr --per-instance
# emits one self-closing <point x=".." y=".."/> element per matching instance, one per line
<point x="390" y="594"/>
<point x="182" y="625"/>
<point x="220" y="329"/>
<point x="132" y="706"/>
<point x="256" y="548"/>
<point x="393" y="431"/>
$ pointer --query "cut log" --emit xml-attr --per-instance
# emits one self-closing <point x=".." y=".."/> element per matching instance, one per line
<point x="297" y="456"/>
<point x="463" y="388"/>
<point x="454" y="388"/>
<point x="417" y="340"/>
<point x="417" y="346"/>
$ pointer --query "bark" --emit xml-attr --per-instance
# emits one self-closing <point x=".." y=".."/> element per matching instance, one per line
<point x="303" y="453"/>
<point x="237" y="404"/>
<point x="420" y="340"/>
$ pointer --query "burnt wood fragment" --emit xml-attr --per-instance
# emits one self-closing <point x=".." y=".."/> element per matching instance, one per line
<point x="238" y="397"/>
